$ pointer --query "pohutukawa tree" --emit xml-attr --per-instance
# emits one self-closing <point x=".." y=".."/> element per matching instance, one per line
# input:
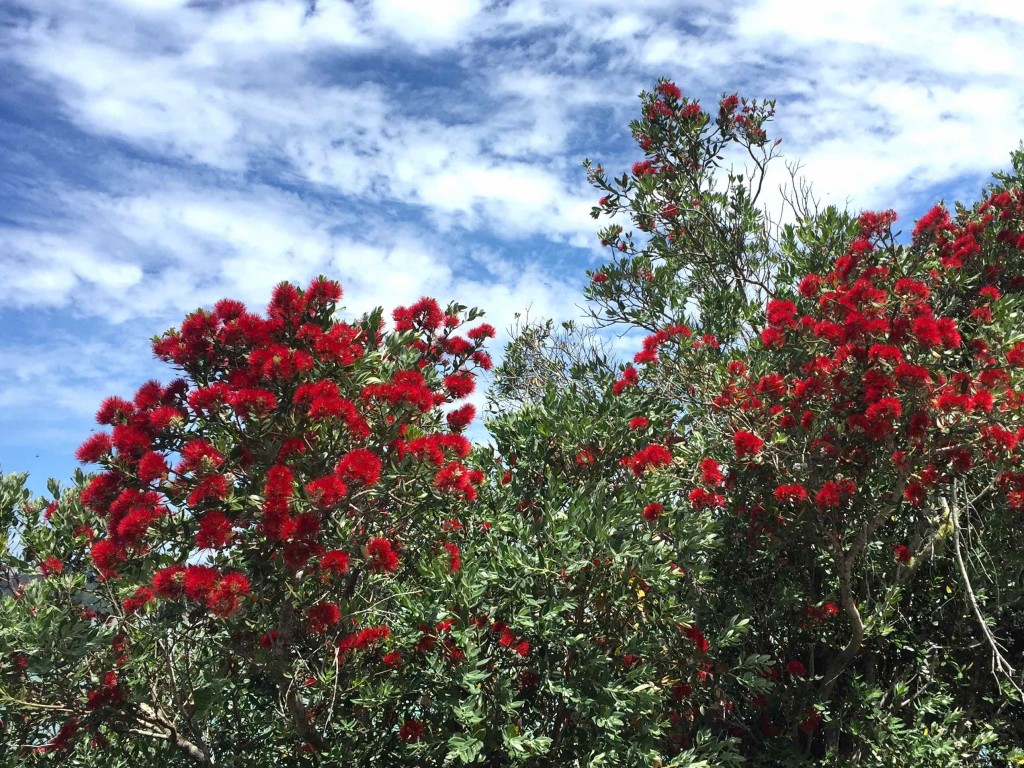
<point x="787" y="532"/>
<point x="851" y="408"/>
<point x="273" y="541"/>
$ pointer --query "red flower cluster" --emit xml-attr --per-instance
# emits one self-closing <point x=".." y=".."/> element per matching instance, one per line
<point x="647" y="459"/>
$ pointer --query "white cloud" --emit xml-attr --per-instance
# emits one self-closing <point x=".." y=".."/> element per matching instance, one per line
<point x="426" y="25"/>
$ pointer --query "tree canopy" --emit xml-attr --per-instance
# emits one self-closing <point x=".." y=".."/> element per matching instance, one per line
<point x="788" y="532"/>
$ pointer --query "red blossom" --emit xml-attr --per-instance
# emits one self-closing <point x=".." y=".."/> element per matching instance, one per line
<point x="225" y="598"/>
<point x="461" y="418"/>
<point x="454" y="557"/>
<point x="791" y="494"/>
<point x="746" y="443"/>
<point x="381" y="556"/>
<point x="710" y="472"/>
<point x="361" y="465"/>
<point x="410" y="731"/>
<point x="653" y="511"/>
<point x="214" y="531"/>
<point x="321" y="616"/>
<point x="140" y="598"/>
<point x="649" y="458"/>
<point x="51" y="566"/>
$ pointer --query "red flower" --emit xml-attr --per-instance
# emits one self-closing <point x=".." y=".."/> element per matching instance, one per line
<point x="481" y="332"/>
<point x="629" y="378"/>
<point x="107" y="555"/>
<point x="114" y="410"/>
<point x="94" y="449"/>
<point x="168" y="582"/>
<point x="697" y="636"/>
<point x="382" y="557"/>
<point x="51" y="566"/>
<point x="796" y="668"/>
<point x="653" y="511"/>
<point x="410" y="731"/>
<point x="334" y="562"/>
<point x="198" y="580"/>
<point x="829" y="495"/>
<point x="360" y="464"/>
<point x="812" y="722"/>
<point x="424" y="314"/>
<point x="459" y="385"/>
<point x="791" y="494"/>
<point x="326" y="492"/>
<point x="199" y="456"/>
<point x="810" y="286"/>
<point x="152" y="466"/>
<point x="460" y="418"/>
<point x="702" y="499"/>
<point x="670" y="91"/>
<point x="639" y="423"/>
<point x="646" y="459"/>
<point x="1015" y="357"/>
<point x="746" y="444"/>
<point x="214" y="531"/>
<point x="902" y="554"/>
<point x="321" y="616"/>
<point x="142" y="596"/>
<point x="710" y="472"/>
<point x="915" y="493"/>
<point x="772" y="338"/>
<point x="226" y="597"/>
<point x="454" y="561"/>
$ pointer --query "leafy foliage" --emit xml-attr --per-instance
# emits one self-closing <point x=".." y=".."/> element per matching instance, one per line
<point x="787" y="533"/>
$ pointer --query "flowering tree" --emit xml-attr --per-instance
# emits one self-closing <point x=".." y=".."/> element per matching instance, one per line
<point x="850" y="405"/>
<point x="272" y="544"/>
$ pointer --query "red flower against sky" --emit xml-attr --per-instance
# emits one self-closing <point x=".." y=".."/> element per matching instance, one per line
<point x="461" y="418"/>
<point x="670" y="91"/>
<point x="628" y="378"/>
<point x="95" y="448"/>
<point x="459" y="385"/>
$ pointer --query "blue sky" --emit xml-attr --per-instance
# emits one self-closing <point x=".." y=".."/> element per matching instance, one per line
<point x="156" y="155"/>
